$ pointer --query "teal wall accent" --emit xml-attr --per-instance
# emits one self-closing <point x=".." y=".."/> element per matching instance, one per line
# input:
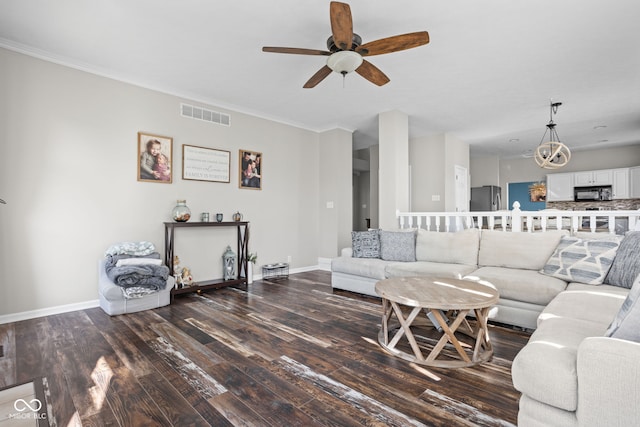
<point x="519" y="191"/>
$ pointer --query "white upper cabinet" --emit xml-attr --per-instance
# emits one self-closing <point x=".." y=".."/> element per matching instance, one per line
<point x="634" y="180"/>
<point x="560" y="187"/>
<point x="589" y="178"/>
<point x="620" y="184"/>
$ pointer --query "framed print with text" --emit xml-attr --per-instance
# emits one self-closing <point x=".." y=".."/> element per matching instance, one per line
<point x="205" y="164"/>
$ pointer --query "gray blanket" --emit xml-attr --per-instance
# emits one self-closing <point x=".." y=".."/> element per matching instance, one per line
<point x="144" y="276"/>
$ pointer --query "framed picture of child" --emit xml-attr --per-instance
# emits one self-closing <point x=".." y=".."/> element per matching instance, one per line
<point x="250" y="170"/>
<point x="155" y="158"/>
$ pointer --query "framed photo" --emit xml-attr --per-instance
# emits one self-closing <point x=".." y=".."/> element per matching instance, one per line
<point x="538" y="192"/>
<point x="250" y="170"/>
<point x="205" y="164"/>
<point x="155" y="160"/>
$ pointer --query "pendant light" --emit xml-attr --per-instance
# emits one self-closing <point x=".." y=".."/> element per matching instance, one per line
<point x="552" y="154"/>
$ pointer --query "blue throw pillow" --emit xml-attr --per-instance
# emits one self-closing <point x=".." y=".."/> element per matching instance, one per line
<point x="626" y="324"/>
<point x="626" y="264"/>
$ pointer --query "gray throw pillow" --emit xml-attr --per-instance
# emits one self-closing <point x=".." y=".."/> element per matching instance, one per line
<point x="583" y="261"/>
<point x="626" y="265"/>
<point x="626" y="324"/>
<point x="365" y="244"/>
<point x="398" y="245"/>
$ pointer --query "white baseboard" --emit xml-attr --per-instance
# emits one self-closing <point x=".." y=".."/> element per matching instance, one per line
<point x="32" y="314"/>
<point x="323" y="264"/>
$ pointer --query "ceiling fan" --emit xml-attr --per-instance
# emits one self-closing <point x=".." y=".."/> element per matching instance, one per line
<point x="346" y="51"/>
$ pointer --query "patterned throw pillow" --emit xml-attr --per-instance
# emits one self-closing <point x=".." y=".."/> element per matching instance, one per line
<point x="398" y="245"/>
<point x="626" y="324"/>
<point x="583" y="261"/>
<point x="626" y="265"/>
<point x="365" y="244"/>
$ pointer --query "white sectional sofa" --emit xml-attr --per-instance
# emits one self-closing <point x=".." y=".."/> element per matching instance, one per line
<point x="510" y="261"/>
<point x="581" y="366"/>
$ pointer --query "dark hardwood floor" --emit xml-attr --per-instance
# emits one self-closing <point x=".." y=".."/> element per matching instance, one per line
<point x="288" y="352"/>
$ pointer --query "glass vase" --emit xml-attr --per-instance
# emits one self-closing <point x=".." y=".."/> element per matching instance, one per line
<point x="181" y="213"/>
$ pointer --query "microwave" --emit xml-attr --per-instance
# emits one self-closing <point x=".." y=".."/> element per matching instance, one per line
<point x="590" y="194"/>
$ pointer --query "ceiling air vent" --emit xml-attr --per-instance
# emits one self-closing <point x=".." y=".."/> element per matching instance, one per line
<point x="203" y="114"/>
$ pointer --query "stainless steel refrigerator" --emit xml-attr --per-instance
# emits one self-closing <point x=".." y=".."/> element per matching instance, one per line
<point x="486" y="198"/>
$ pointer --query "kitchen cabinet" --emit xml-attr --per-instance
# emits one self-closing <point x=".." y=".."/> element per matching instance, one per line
<point x="560" y="187"/>
<point x="590" y="178"/>
<point x="620" y="184"/>
<point x="634" y="182"/>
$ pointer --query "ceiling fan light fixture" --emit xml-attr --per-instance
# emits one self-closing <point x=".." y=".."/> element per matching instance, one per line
<point x="344" y="61"/>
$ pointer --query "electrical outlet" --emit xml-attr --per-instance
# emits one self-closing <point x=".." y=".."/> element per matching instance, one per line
<point x="289" y="259"/>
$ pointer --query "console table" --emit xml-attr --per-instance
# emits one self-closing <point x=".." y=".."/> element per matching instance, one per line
<point x="239" y="282"/>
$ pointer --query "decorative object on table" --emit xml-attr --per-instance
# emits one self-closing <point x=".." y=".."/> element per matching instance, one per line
<point x="229" y="264"/>
<point x="204" y="217"/>
<point x="275" y="271"/>
<point x="538" y="192"/>
<point x="155" y="158"/>
<point x="177" y="272"/>
<point x="237" y="216"/>
<point x="552" y="154"/>
<point x="250" y="170"/>
<point x="252" y="258"/>
<point x="181" y="212"/>
<point x="205" y="164"/>
<point x="185" y="278"/>
<point x="219" y="217"/>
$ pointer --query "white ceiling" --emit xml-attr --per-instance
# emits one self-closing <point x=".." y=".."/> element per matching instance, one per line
<point x="487" y="75"/>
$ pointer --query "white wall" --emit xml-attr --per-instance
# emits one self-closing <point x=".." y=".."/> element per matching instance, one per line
<point x="68" y="166"/>
<point x="484" y="171"/>
<point x="456" y="153"/>
<point x="335" y="192"/>
<point x="393" y="179"/>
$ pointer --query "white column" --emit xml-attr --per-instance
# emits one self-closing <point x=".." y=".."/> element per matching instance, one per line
<point x="393" y="187"/>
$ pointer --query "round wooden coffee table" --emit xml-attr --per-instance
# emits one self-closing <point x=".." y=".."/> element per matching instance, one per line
<point x="446" y="302"/>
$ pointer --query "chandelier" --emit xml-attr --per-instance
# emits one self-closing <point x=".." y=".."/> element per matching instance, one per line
<point x="552" y="154"/>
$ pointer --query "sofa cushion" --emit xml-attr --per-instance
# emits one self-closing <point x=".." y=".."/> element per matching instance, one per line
<point x="454" y="248"/>
<point x="625" y="267"/>
<point x="365" y="244"/>
<point x="588" y="303"/>
<point x="427" y="268"/>
<point x="366" y="267"/>
<point x="398" y="245"/>
<point x="521" y="285"/>
<point x="626" y="324"/>
<point x="545" y="369"/>
<point x="517" y="250"/>
<point x="584" y="261"/>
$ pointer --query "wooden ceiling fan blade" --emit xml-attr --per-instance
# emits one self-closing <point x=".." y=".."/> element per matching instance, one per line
<point x="394" y="43"/>
<point x="341" y="25"/>
<point x="295" y="50"/>
<point x="318" y="77"/>
<point x="372" y="73"/>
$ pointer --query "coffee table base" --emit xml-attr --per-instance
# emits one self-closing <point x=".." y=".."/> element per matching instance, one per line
<point x="467" y="355"/>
